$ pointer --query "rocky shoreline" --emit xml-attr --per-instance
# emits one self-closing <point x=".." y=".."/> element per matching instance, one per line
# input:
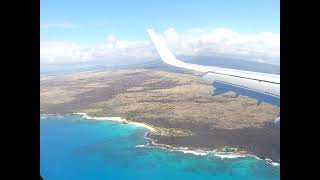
<point x="262" y="142"/>
<point x="225" y="152"/>
<point x="154" y="133"/>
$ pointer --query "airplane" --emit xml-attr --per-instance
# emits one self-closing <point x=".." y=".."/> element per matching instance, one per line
<point x="262" y="83"/>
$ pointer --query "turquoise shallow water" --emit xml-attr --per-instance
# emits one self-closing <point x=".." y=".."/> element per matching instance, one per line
<point x="72" y="147"/>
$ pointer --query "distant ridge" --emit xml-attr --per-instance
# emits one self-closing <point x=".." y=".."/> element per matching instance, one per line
<point x="233" y="63"/>
<point x="157" y="63"/>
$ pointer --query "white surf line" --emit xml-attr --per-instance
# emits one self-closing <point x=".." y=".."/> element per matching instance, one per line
<point x="197" y="152"/>
<point x="229" y="156"/>
<point x="222" y="155"/>
<point x="186" y="150"/>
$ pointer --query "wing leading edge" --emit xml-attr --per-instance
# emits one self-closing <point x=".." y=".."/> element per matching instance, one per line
<point x="261" y="82"/>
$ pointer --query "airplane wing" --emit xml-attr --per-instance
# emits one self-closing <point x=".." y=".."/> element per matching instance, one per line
<point x="260" y="82"/>
<point x="268" y="84"/>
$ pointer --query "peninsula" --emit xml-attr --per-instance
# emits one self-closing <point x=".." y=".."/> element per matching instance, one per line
<point x="178" y="105"/>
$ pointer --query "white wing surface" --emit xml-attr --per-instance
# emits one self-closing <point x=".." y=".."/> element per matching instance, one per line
<point x="260" y="82"/>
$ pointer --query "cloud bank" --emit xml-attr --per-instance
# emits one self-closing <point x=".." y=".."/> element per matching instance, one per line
<point x="262" y="47"/>
<point x="64" y="25"/>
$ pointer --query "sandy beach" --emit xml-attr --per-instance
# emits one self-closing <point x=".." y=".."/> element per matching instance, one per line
<point x="117" y="119"/>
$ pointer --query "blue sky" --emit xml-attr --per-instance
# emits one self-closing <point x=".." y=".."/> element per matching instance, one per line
<point x="91" y="21"/>
<point x="105" y="32"/>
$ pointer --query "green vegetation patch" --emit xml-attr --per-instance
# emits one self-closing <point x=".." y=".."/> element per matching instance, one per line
<point x="171" y="132"/>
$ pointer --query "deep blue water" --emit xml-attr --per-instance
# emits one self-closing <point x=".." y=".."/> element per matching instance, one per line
<point x="75" y="148"/>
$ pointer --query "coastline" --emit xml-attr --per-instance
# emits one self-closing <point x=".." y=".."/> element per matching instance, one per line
<point x="117" y="119"/>
<point x="152" y="144"/>
<point x="203" y="152"/>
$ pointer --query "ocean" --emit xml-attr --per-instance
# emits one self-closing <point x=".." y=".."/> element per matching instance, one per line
<point x="72" y="147"/>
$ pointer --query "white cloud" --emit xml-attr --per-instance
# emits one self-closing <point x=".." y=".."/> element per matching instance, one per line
<point x="261" y="47"/>
<point x="64" y="25"/>
<point x="111" y="51"/>
<point x="58" y="52"/>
